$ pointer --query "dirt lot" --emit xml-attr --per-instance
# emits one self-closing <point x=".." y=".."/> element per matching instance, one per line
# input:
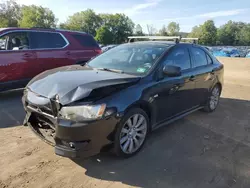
<point x="202" y="150"/>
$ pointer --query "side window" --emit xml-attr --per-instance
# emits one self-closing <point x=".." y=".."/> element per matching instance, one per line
<point x="15" y="41"/>
<point x="199" y="55"/>
<point x="209" y="60"/>
<point x="85" y="40"/>
<point x="179" y="57"/>
<point x="43" y="40"/>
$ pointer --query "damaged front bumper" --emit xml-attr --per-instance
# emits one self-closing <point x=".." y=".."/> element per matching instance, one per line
<point x="70" y="139"/>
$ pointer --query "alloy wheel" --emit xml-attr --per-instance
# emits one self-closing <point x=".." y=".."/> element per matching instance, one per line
<point x="214" y="98"/>
<point x="133" y="133"/>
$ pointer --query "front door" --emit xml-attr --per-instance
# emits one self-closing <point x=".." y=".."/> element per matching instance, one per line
<point x="17" y="60"/>
<point x="175" y="94"/>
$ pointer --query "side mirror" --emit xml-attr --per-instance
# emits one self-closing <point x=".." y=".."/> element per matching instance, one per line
<point x="171" y="70"/>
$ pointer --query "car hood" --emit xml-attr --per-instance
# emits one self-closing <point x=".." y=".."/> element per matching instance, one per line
<point x="72" y="83"/>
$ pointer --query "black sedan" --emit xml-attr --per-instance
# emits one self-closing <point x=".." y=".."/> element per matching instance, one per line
<point x="120" y="96"/>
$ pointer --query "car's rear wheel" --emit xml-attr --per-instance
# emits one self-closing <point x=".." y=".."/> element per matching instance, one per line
<point x="213" y="99"/>
<point x="131" y="133"/>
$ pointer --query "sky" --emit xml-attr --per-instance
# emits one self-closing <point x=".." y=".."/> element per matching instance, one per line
<point x="187" y="13"/>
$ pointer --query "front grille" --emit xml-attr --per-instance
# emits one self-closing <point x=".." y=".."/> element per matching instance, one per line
<point x="43" y="127"/>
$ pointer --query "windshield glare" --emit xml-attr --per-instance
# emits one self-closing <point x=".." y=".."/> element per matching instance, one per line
<point x="130" y="58"/>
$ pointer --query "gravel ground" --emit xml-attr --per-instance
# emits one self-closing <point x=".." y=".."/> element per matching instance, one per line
<point x="201" y="150"/>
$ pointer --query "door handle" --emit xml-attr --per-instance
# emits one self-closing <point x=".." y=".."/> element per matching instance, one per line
<point x="68" y="53"/>
<point x="174" y="89"/>
<point x="192" y="78"/>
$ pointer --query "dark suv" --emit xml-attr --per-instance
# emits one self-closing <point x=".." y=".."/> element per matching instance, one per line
<point x="117" y="98"/>
<point x="24" y="53"/>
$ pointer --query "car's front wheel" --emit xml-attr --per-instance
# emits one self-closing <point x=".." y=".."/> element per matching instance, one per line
<point x="213" y="99"/>
<point x="131" y="133"/>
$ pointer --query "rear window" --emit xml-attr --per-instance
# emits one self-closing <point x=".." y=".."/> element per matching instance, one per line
<point x="86" y="40"/>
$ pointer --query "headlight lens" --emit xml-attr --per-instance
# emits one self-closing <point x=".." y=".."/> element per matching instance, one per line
<point x="86" y="112"/>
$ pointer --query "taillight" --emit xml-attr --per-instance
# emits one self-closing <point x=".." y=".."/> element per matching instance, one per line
<point x="99" y="51"/>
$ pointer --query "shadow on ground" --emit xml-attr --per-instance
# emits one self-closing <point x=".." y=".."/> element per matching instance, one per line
<point x="198" y="151"/>
<point x="11" y="109"/>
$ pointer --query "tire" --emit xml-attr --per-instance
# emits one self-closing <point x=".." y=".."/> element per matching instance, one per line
<point x="213" y="99"/>
<point x="131" y="133"/>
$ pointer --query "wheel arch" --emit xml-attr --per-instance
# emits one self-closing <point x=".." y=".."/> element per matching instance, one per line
<point x="145" y="106"/>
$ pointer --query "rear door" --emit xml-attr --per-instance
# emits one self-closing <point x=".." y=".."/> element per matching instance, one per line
<point x="17" y="60"/>
<point x="175" y="95"/>
<point x="51" y="49"/>
<point x="85" y="49"/>
<point x="204" y="73"/>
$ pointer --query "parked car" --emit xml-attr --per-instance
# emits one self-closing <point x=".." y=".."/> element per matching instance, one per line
<point x="120" y="96"/>
<point x="28" y="52"/>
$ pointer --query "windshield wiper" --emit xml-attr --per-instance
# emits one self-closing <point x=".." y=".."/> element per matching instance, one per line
<point x="111" y="70"/>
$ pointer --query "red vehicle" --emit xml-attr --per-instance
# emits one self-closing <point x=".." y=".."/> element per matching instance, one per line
<point x="24" y="53"/>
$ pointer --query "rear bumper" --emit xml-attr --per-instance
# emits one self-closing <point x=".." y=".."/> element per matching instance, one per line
<point x="71" y="139"/>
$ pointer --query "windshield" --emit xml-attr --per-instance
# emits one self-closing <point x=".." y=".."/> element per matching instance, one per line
<point x="136" y="59"/>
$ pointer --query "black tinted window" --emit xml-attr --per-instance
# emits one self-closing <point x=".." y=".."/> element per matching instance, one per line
<point x="179" y="57"/>
<point x="199" y="55"/>
<point x="46" y="40"/>
<point x="86" y="40"/>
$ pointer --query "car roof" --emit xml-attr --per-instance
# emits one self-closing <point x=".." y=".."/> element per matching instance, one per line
<point x="40" y="29"/>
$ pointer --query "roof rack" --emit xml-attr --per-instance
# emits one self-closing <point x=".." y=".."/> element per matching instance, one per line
<point x="195" y="40"/>
<point x="176" y="38"/>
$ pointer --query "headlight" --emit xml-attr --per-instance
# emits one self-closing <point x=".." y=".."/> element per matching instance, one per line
<point x="87" y="112"/>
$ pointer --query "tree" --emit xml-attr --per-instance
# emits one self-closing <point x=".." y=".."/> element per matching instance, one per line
<point x="244" y="35"/>
<point x="163" y="31"/>
<point x="229" y="33"/>
<point x="104" y="36"/>
<point x="151" y="30"/>
<point x="86" y="21"/>
<point x="173" y="28"/>
<point x="9" y="14"/>
<point x="138" y="30"/>
<point x="119" y="25"/>
<point x="208" y="33"/>
<point x="37" y="16"/>
<point x="196" y="32"/>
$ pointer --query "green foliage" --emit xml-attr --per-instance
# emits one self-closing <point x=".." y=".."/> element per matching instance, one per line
<point x="233" y="33"/>
<point x="104" y="36"/>
<point x="244" y="35"/>
<point x="173" y="28"/>
<point x="208" y="33"/>
<point x="9" y="14"/>
<point x="196" y="32"/>
<point x="37" y="16"/>
<point x="86" y="21"/>
<point x="119" y="25"/>
<point x="163" y="31"/>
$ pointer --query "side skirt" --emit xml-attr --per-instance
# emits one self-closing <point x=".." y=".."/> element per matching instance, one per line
<point x="176" y="118"/>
